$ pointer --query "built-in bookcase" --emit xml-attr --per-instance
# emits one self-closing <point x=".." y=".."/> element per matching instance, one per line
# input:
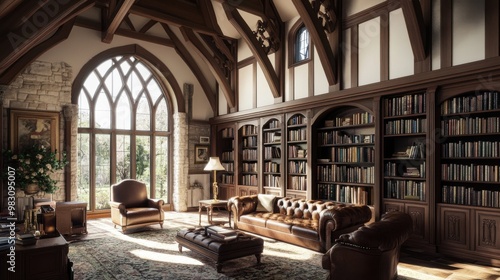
<point x="405" y="183"/>
<point x="297" y="148"/>
<point x="272" y="157"/>
<point x="344" y="156"/>
<point x="470" y="153"/>
<point x="405" y="129"/>
<point x="248" y="159"/>
<point x="468" y="195"/>
<point x="225" y="151"/>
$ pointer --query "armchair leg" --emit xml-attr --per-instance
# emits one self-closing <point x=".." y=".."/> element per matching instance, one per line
<point x="161" y="224"/>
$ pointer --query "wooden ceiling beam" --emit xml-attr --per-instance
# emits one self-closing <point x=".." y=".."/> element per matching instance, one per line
<point x="314" y="25"/>
<point x="170" y="19"/>
<point x="240" y="25"/>
<point x="198" y="46"/>
<point x="116" y="18"/>
<point x="18" y="41"/>
<point x="191" y="63"/>
<point x="60" y="35"/>
<point x="412" y="12"/>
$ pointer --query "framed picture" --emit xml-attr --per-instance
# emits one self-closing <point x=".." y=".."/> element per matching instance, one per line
<point x="28" y="128"/>
<point x="204" y="140"/>
<point x="201" y="154"/>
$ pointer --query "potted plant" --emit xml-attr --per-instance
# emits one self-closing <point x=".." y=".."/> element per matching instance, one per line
<point x="34" y="167"/>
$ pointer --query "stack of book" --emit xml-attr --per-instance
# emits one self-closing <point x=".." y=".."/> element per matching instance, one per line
<point x="411" y="172"/>
<point x="5" y="243"/>
<point x="25" y="239"/>
<point x="221" y="234"/>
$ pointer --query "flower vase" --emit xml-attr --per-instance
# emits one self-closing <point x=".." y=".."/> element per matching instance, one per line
<point x="32" y="189"/>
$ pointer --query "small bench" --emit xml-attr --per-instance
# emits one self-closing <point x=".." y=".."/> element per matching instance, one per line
<point x="219" y="250"/>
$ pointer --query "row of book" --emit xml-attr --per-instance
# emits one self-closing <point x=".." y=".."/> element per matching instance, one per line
<point x="348" y="174"/>
<point x="248" y="130"/>
<point x="273" y="124"/>
<point x="273" y="181"/>
<point x="482" y="101"/>
<point x="467" y="125"/>
<point x="272" y="152"/>
<point x="227" y="179"/>
<point x="227" y="156"/>
<point x="342" y="137"/>
<point x="344" y="194"/>
<point x="405" y="189"/>
<point x="270" y="166"/>
<point x="297" y="119"/>
<point x="297" y="167"/>
<point x="486" y="149"/>
<point x="406" y="126"/>
<point x="249" y="154"/>
<point x="470" y="196"/>
<point x="404" y="105"/>
<point x="398" y="169"/>
<point x="249" y="180"/>
<point x="297" y="134"/>
<point x="298" y="183"/>
<point x="249" y="167"/>
<point x="272" y="137"/>
<point x="250" y="142"/>
<point x="470" y="172"/>
<point x="352" y="154"/>
<point x="227" y="132"/>
<point x="354" y="119"/>
<point x="295" y="151"/>
<point x="228" y="166"/>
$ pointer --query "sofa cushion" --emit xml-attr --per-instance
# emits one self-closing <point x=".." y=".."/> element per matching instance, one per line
<point x="305" y="231"/>
<point x="279" y="225"/>
<point x="255" y="219"/>
<point x="265" y="202"/>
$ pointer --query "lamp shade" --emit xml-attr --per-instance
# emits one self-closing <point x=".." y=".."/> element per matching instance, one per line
<point x="214" y="164"/>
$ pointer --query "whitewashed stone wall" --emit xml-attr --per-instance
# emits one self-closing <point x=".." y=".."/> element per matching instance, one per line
<point x="42" y="86"/>
<point x="180" y="162"/>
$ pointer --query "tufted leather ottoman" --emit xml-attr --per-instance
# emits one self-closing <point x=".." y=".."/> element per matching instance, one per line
<point x="219" y="250"/>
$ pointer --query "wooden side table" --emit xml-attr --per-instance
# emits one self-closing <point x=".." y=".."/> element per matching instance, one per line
<point x="209" y="205"/>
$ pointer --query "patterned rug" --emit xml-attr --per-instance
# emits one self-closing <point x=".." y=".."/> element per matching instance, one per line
<point x="154" y="255"/>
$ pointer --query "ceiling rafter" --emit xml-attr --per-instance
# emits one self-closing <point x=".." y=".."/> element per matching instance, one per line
<point x="147" y="26"/>
<point x="320" y="17"/>
<point x="16" y="42"/>
<point x="255" y="46"/>
<point x="191" y="63"/>
<point x="115" y="19"/>
<point x="60" y="35"/>
<point x="412" y="12"/>
<point x="215" y="67"/>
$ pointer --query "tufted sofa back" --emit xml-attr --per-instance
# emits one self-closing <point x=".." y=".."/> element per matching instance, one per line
<point x="305" y="209"/>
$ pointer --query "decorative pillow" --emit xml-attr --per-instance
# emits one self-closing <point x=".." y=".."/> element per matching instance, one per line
<point x="266" y="203"/>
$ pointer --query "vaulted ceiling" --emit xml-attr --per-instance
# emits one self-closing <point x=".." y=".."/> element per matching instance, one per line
<point x="209" y="29"/>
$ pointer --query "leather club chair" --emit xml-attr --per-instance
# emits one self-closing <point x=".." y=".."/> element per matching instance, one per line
<point x="370" y="252"/>
<point x="131" y="207"/>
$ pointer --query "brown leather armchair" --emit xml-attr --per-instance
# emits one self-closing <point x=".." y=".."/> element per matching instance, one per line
<point x="370" y="252"/>
<point x="131" y="207"/>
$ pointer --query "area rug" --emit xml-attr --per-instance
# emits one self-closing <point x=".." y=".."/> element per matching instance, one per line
<point x="155" y="255"/>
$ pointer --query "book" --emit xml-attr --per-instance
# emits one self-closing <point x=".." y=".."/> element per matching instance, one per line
<point x="26" y="242"/>
<point x="221" y="233"/>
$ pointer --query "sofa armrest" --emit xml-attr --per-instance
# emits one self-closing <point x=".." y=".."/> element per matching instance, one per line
<point x="118" y="207"/>
<point x="340" y="218"/>
<point x="241" y="205"/>
<point x="155" y="203"/>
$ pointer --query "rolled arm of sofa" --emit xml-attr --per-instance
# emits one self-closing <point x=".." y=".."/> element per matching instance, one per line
<point x="241" y="205"/>
<point x="341" y="218"/>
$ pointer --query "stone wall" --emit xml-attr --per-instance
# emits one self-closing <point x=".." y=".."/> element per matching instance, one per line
<point x="42" y="86"/>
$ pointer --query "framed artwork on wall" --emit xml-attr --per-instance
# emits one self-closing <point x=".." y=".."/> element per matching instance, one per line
<point x="28" y="127"/>
<point x="204" y="140"/>
<point x="201" y="154"/>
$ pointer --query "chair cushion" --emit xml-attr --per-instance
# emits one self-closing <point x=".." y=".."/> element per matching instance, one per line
<point x="142" y="215"/>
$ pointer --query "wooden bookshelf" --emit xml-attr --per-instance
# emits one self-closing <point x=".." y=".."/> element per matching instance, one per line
<point x="226" y="153"/>
<point x="469" y="194"/>
<point x="297" y="157"/>
<point x="344" y="156"/>
<point x="272" y="155"/>
<point x="248" y="155"/>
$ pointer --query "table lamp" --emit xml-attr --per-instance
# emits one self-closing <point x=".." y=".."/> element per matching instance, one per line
<point x="214" y="164"/>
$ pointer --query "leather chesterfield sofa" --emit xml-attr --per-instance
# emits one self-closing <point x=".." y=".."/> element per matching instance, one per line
<point x="311" y="224"/>
<point x="371" y="252"/>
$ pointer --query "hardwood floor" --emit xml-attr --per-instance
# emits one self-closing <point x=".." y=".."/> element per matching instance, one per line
<point x="414" y="265"/>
